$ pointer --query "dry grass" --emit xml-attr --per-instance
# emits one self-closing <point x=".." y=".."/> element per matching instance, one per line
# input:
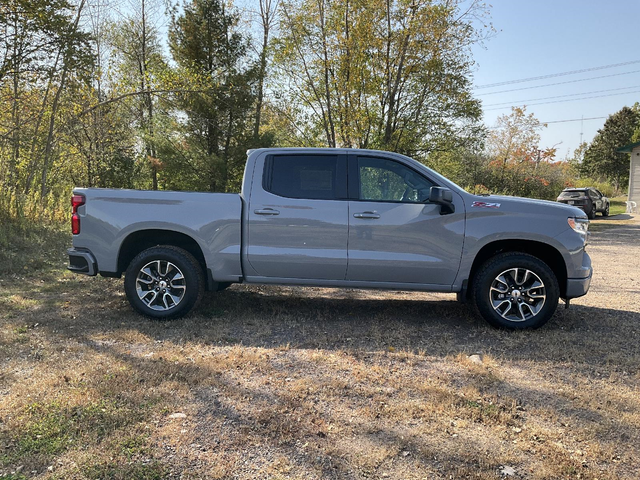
<point x="318" y="383"/>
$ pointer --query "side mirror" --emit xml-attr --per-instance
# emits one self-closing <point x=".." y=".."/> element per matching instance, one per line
<point x="443" y="197"/>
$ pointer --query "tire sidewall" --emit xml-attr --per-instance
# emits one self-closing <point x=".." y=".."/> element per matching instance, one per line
<point x="189" y="268"/>
<point x="499" y="264"/>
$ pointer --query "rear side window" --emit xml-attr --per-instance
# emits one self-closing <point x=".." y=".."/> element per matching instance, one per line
<point x="316" y="177"/>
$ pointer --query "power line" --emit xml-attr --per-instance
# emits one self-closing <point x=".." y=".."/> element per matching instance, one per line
<point x="557" y="83"/>
<point x="563" y="101"/>
<point x="574" y="120"/>
<point x="562" y="96"/>
<point x="552" y="75"/>
<point x="561" y="121"/>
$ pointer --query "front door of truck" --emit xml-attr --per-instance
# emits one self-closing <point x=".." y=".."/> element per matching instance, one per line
<point x="298" y="217"/>
<point x="395" y="234"/>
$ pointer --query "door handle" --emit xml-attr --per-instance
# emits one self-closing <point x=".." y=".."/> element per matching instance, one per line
<point x="267" y="211"/>
<point x="370" y="215"/>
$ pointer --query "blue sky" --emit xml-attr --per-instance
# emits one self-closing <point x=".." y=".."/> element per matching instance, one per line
<point x="542" y="37"/>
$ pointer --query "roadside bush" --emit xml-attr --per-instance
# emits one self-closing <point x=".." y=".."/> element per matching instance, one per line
<point x="606" y="188"/>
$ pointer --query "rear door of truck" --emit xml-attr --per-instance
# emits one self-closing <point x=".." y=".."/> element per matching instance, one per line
<point x="298" y="217"/>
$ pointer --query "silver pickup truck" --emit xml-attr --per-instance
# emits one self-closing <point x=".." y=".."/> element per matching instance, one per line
<point x="335" y="218"/>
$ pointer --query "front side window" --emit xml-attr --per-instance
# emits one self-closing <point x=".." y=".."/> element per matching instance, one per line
<point x="385" y="180"/>
<point x="315" y="177"/>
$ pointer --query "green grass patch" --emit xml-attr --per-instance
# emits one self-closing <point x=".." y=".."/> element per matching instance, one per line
<point x="134" y="471"/>
<point x="617" y="205"/>
<point x="134" y="445"/>
<point x="50" y="429"/>
<point x="28" y="247"/>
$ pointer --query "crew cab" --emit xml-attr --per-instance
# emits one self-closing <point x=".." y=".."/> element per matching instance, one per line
<point x="341" y="218"/>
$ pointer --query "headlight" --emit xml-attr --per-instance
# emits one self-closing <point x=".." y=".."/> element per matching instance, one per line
<point x="580" y="225"/>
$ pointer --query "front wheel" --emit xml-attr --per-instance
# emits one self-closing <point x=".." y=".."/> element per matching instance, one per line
<point x="164" y="282"/>
<point x="516" y="291"/>
<point x="606" y="211"/>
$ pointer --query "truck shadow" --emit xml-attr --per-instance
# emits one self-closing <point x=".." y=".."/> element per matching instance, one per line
<point x="248" y="358"/>
<point x="263" y="347"/>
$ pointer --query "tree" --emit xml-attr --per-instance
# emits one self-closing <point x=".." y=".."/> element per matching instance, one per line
<point x="212" y="54"/>
<point x="386" y="74"/>
<point x="516" y="165"/>
<point x="41" y="49"/>
<point x="267" y="17"/>
<point x="140" y="65"/>
<point x="602" y="159"/>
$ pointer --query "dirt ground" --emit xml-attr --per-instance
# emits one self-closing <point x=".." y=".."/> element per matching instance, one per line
<point x="306" y="383"/>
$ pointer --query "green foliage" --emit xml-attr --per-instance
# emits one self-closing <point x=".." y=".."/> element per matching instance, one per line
<point x="41" y="50"/>
<point x="606" y="188"/>
<point x="601" y="158"/>
<point x="212" y="54"/>
<point x="377" y="74"/>
<point x="97" y="103"/>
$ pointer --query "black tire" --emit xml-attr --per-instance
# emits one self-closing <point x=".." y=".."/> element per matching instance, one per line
<point x="501" y="263"/>
<point x="591" y="214"/>
<point x="606" y="211"/>
<point x="192" y="280"/>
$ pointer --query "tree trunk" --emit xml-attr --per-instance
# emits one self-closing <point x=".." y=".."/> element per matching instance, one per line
<point x="54" y="110"/>
<point x="265" y="16"/>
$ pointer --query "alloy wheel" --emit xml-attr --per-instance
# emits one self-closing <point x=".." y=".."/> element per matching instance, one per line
<point x="517" y="294"/>
<point x="160" y="285"/>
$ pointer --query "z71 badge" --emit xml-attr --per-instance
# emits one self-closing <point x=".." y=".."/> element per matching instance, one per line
<point x="485" y="205"/>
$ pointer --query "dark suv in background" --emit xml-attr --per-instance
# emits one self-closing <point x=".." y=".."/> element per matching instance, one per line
<point x="588" y="199"/>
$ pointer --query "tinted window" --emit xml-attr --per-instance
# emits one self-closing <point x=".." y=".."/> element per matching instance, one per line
<point x="388" y="181"/>
<point x="305" y="176"/>
<point x="573" y="194"/>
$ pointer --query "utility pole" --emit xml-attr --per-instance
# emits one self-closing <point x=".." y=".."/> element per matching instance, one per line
<point x="581" y="127"/>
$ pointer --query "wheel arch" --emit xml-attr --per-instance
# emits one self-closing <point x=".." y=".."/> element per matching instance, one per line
<point x="547" y="253"/>
<point x="141" y="240"/>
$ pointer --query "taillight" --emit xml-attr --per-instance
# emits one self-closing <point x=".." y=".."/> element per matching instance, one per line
<point x="76" y="201"/>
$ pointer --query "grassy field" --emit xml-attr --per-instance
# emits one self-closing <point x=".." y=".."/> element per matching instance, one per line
<point x="617" y="205"/>
<point x="267" y="382"/>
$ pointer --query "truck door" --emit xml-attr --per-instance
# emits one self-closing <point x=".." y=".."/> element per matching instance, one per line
<point x="298" y="217"/>
<point x="395" y="234"/>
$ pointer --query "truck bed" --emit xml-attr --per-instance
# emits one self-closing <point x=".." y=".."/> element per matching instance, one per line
<point x="110" y="216"/>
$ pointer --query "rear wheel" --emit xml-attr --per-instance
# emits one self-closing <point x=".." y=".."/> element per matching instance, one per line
<point x="516" y="291"/>
<point x="592" y="213"/>
<point x="164" y="282"/>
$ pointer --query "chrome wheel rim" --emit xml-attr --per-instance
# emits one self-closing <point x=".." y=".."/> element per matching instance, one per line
<point x="160" y="285"/>
<point x="517" y="294"/>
